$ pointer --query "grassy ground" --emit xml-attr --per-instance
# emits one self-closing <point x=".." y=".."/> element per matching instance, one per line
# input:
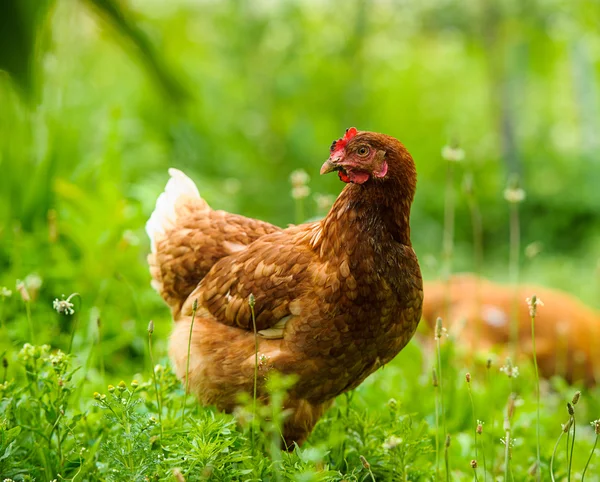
<point x="64" y="418"/>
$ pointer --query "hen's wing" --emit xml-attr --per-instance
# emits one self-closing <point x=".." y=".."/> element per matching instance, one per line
<point x="277" y="270"/>
<point x="188" y="238"/>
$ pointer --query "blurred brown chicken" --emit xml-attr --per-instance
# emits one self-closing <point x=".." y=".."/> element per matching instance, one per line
<point x="334" y="299"/>
<point x="479" y="316"/>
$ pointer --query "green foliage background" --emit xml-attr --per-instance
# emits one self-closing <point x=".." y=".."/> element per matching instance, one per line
<point x="100" y="97"/>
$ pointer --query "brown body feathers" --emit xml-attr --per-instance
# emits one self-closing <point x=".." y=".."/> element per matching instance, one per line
<point x="480" y="312"/>
<point x="335" y="299"/>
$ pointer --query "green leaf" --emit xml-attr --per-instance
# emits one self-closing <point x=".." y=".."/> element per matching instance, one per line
<point x="22" y="23"/>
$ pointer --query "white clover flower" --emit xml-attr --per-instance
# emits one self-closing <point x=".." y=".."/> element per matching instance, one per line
<point x="5" y="292"/>
<point x="300" y="192"/>
<point x="453" y="154"/>
<point x="533" y="304"/>
<point x="514" y="195"/>
<point x="64" y="307"/>
<point x="299" y="177"/>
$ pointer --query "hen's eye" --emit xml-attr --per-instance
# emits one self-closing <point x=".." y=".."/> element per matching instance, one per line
<point x="363" y="151"/>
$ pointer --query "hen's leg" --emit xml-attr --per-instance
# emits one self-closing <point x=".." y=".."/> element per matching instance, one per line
<point x="303" y="418"/>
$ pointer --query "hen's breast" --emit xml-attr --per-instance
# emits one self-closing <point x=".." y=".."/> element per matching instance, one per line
<point x="363" y="311"/>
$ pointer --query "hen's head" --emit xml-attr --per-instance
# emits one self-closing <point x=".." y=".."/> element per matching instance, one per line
<point x="361" y="157"/>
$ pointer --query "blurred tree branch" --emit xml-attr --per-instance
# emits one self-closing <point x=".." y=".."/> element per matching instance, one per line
<point x="22" y="23"/>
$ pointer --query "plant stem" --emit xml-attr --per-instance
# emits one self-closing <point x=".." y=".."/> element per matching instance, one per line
<point x="447" y="457"/>
<point x="537" y="393"/>
<point x="554" y="454"/>
<point x="100" y="350"/>
<point x="158" y="402"/>
<point x="478" y="258"/>
<point x="299" y="210"/>
<point x="30" y="321"/>
<point x="515" y="242"/>
<point x="570" y="456"/>
<point x="448" y="239"/>
<point x="439" y="359"/>
<point x="75" y="320"/>
<point x="437" y="435"/>
<point x="187" y="363"/>
<point x="474" y="419"/>
<point x="2" y="313"/>
<point x="251" y="303"/>
<point x="589" y="459"/>
<point x="484" y="463"/>
<point x="506" y="449"/>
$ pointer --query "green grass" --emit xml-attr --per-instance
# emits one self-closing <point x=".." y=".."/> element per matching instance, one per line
<point x="61" y="420"/>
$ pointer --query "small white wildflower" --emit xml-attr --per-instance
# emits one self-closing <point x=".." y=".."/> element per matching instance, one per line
<point x="299" y="177"/>
<point x="511" y="442"/>
<point x="64" y="307"/>
<point x="510" y="370"/>
<point x="22" y="289"/>
<point x="533" y="304"/>
<point x="453" y="154"/>
<point x="440" y="331"/>
<point x="5" y="292"/>
<point x="392" y="442"/>
<point x="33" y="282"/>
<point x="514" y="195"/>
<point x="58" y="359"/>
<point x="324" y="201"/>
<point x="596" y="425"/>
<point x="300" y="192"/>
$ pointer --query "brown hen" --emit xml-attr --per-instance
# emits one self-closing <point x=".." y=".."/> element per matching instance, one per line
<point x="335" y="299"/>
<point x="480" y="313"/>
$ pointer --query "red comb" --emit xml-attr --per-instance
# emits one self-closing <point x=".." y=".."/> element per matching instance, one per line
<point x="341" y="143"/>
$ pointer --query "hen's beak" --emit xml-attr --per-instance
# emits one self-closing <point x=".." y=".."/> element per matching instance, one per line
<point x="329" y="166"/>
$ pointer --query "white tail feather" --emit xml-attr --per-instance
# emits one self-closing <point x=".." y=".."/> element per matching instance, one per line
<point x="164" y="215"/>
